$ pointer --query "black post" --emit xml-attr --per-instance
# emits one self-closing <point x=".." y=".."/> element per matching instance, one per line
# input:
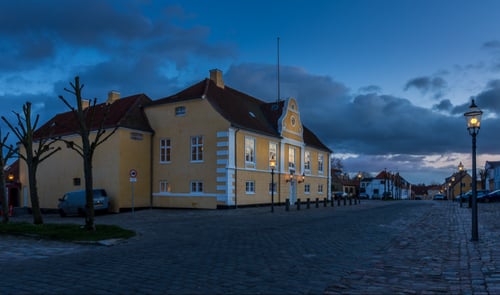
<point x="333" y="201"/>
<point x="308" y="203"/>
<point x="338" y="202"/>
<point x="287" y="204"/>
<point x="475" y="235"/>
<point x="317" y="202"/>
<point x="298" y="204"/>
<point x="272" y="189"/>
<point x="325" y="202"/>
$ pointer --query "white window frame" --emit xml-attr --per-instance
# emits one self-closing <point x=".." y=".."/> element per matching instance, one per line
<point x="165" y="150"/>
<point x="307" y="188"/>
<point x="271" y="187"/>
<point x="320" y="188"/>
<point x="250" y="153"/>
<point x="307" y="161"/>
<point x="250" y="187"/>
<point x="321" y="163"/>
<point x="196" y="186"/>
<point x="291" y="158"/>
<point x="273" y="152"/>
<point x="196" y="152"/>
<point x="164" y="186"/>
<point x="180" y="111"/>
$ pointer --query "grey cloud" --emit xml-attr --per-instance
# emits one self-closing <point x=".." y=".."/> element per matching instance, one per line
<point x="425" y="85"/>
<point x="370" y="89"/>
<point x="444" y="105"/>
<point x="491" y="45"/>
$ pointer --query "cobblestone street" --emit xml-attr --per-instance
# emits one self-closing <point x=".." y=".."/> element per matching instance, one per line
<point x="406" y="247"/>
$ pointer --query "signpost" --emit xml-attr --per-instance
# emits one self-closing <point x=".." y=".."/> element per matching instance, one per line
<point x="133" y="179"/>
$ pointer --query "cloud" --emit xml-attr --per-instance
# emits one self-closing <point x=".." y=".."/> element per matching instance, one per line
<point x="434" y="85"/>
<point x="370" y="89"/>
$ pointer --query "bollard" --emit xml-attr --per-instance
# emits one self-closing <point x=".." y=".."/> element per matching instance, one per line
<point x="350" y="201"/>
<point x="308" y="203"/>
<point x="345" y="201"/>
<point x="317" y="202"/>
<point x="324" y="202"/>
<point x="298" y="204"/>
<point x="287" y="205"/>
<point x="359" y="201"/>
<point x="332" y="201"/>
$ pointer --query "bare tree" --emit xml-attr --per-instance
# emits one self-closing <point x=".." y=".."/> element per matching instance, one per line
<point x="34" y="152"/>
<point x="337" y="163"/>
<point x="483" y="174"/>
<point x="85" y="119"/>
<point x="3" y="161"/>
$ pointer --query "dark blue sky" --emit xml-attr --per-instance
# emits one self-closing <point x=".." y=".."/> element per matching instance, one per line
<point x="383" y="83"/>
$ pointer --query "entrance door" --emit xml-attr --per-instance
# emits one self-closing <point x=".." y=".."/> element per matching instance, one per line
<point x="293" y="192"/>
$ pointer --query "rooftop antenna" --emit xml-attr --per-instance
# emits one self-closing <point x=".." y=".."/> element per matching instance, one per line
<point x="278" y="69"/>
<point x="278" y="73"/>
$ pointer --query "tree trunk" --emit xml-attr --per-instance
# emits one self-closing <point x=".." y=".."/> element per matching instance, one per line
<point x="3" y="197"/>
<point x="89" y="194"/>
<point x="35" y="205"/>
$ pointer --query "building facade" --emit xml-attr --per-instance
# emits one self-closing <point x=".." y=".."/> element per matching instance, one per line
<point x="207" y="146"/>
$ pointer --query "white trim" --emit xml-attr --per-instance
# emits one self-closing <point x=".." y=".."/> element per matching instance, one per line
<point x="184" y="195"/>
<point x="222" y="153"/>
<point x="221" y="170"/>
<point x="222" y="144"/>
<point x="222" y="161"/>
<point x="221" y="179"/>
<point x="222" y="134"/>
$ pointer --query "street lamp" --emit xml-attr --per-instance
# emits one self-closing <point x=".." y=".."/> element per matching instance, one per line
<point x="460" y="171"/>
<point x="473" y="117"/>
<point x="272" y="164"/>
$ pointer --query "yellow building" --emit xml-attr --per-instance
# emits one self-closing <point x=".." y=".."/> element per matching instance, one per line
<point x="213" y="146"/>
<point x="128" y="148"/>
<point x="207" y="146"/>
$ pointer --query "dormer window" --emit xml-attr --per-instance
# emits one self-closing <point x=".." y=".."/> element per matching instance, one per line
<point x="180" y="111"/>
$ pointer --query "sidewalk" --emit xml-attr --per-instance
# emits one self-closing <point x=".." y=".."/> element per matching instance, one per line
<point x="435" y="256"/>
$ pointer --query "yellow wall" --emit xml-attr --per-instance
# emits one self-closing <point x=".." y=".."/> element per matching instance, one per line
<point x="200" y="119"/>
<point x="111" y="164"/>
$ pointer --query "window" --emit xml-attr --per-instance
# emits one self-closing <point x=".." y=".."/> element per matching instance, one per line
<point x="307" y="161"/>
<point x="164" y="186"/>
<point x="320" y="163"/>
<point x="273" y="152"/>
<point x="197" y="148"/>
<point x="180" y="111"/>
<point x="250" y="187"/>
<point x="291" y="158"/>
<point x="165" y="150"/>
<point x="250" y="150"/>
<point x="272" y="187"/>
<point x="320" y="188"/>
<point x="196" y="186"/>
<point x="76" y="181"/>
<point x="307" y="188"/>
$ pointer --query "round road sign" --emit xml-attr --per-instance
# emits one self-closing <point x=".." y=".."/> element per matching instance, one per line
<point x="133" y="173"/>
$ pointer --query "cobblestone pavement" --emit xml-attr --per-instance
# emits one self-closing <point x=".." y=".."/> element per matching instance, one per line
<point x="403" y="247"/>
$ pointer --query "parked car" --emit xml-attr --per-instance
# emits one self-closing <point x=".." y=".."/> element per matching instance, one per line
<point x="73" y="203"/>
<point x="340" y="195"/>
<point x="480" y="195"/>
<point x="364" y="196"/>
<point x="494" y="196"/>
<point x="439" y="197"/>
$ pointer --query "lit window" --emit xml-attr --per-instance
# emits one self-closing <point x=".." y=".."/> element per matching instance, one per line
<point x="180" y="111"/>
<point x="164" y="186"/>
<point x="273" y="148"/>
<point x="197" y="148"/>
<point x="165" y="150"/>
<point x="291" y="158"/>
<point x="307" y="188"/>
<point x="250" y="187"/>
<point x="320" y="188"/>
<point x="307" y="161"/>
<point x="250" y="150"/>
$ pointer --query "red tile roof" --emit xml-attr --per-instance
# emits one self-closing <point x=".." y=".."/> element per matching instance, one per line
<point x="242" y="110"/>
<point x="124" y="112"/>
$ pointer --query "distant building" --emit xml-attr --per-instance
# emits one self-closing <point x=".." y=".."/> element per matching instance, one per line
<point x="492" y="169"/>
<point x="386" y="185"/>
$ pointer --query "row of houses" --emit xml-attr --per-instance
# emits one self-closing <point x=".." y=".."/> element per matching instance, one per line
<point x="207" y="146"/>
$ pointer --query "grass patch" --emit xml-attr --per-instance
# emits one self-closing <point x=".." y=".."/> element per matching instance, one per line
<point x="65" y="232"/>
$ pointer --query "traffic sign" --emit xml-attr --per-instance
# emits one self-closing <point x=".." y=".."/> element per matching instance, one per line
<point x="133" y="173"/>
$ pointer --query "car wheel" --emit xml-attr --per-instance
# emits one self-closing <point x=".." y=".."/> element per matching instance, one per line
<point x="62" y="213"/>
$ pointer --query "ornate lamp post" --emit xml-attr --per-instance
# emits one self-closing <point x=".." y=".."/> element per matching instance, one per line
<point x="272" y="164"/>
<point x="473" y="117"/>
<point x="460" y="171"/>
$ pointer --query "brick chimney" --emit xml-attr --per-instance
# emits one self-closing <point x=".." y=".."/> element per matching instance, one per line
<point x="216" y="76"/>
<point x="85" y="103"/>
<point x="113" y="96"/>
